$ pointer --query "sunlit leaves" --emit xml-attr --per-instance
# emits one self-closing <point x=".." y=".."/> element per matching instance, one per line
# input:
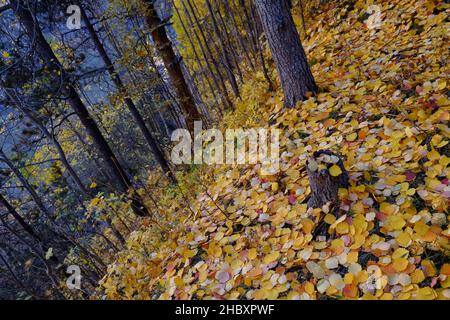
<point x="385" y="113"/>
<point x="335" y="171"/>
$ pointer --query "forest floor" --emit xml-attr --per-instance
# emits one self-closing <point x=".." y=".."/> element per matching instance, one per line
<point x="383" y="107"/>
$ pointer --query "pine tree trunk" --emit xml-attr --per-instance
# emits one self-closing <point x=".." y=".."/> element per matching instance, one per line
<point x="120" y="181"/>
<point x="287" y="51"/>
<point x="172" y="64"/>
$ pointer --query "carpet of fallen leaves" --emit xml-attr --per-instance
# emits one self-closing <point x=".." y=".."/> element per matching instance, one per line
<point x="383" y="107"/>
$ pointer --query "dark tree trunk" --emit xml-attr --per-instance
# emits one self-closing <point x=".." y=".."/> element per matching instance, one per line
<point x="60" y="231"/>
<point x="91" y="156"/>
<point x="40" y="254"/>
<point x="120" y="181"/>
<point x="302" y="13"/>
<point x="21" y="221"/>
<point x="324" y="186"/>
<point x="17" y="279"/>
<point x="246" y="21"/>
<point x="159" y="156"/>
<point x="172" y="64"/>
<point x="287" y="51"/>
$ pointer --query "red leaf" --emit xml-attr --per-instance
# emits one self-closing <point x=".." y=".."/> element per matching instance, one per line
<point x="292" y="199"/>
<point x="410" y="176"/>
<point x="380" y="216"/>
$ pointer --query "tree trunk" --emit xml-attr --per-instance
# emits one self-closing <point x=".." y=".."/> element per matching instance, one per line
<point x="257" y="24"/>
<point x="302" y="13"/>
<point x="120" y="181"/>
<point x="159" y="156"/>
<point x="40" y="254"/>
<point x="21" y="221"/>
<point x="287" y="51"/>
<point x="17" y="279"/>
<point x="248" y="25"/>
<point x="230" y="42"/>
<point x="172" y="64"/>
<point x="324" y="186"/>
<point x="87" y="148"/>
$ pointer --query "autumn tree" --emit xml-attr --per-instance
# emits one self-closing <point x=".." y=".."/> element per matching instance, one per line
<point x="287" y="51"/>
<point x="172" y="64"/>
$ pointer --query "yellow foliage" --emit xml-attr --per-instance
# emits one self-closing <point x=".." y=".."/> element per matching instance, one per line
<point x="256" y="232"/>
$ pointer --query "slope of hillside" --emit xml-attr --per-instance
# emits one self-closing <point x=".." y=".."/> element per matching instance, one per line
<point x="383" y="107"/>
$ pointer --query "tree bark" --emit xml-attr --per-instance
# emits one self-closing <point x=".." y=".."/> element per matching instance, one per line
<point x="120" y="181"/>
<point x="172" y="64"/>
<point x="324" y="186"/>
<point x="287" y="51"/>
<point x="257" y="24"/>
